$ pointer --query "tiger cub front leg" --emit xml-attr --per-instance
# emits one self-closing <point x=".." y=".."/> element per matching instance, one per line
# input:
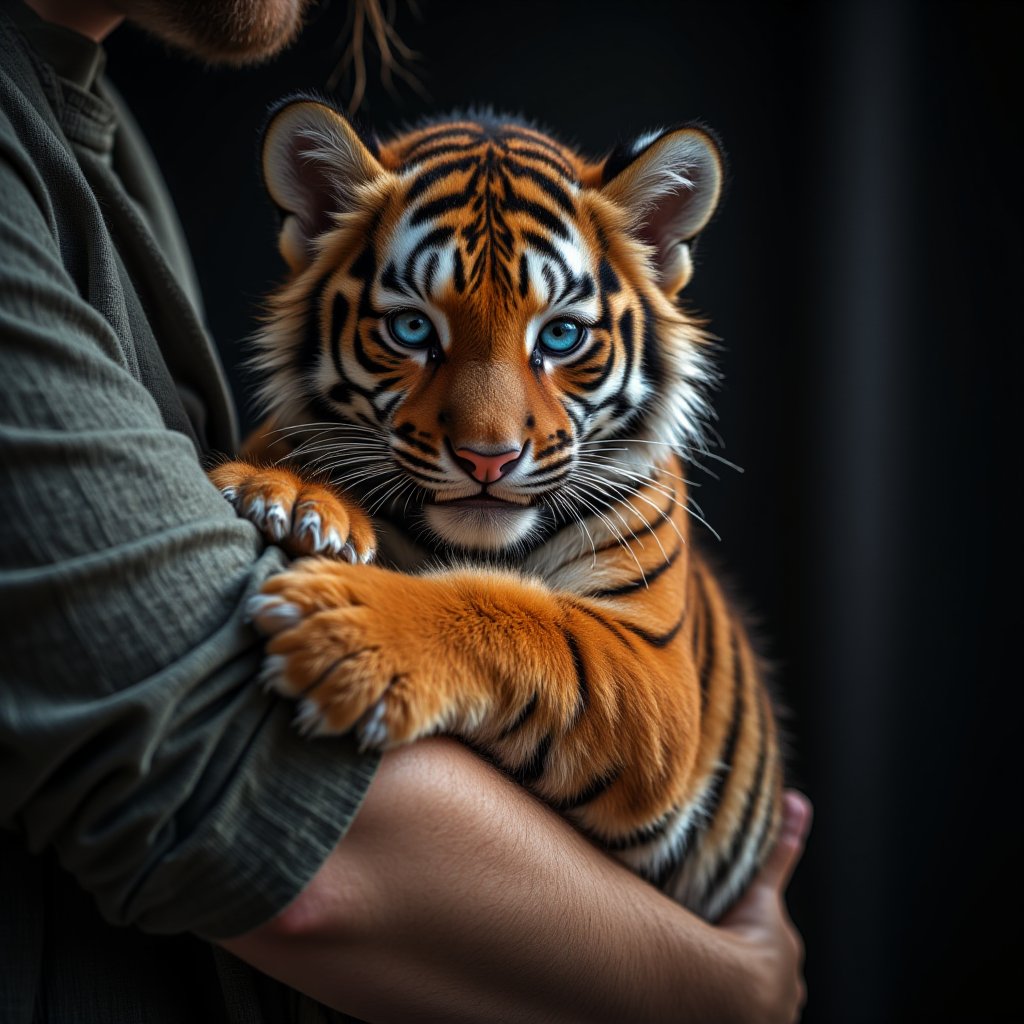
<point x="501" y="661"/>
<point x="299" y="515"/>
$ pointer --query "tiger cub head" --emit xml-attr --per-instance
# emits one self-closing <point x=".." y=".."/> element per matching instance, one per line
<point x="480" y="328"/>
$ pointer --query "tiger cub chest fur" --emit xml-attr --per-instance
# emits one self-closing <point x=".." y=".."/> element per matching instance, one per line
<point x="480" y="347"/>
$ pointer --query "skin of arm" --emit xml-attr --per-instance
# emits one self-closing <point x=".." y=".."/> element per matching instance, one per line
<point x="456" y="896"/>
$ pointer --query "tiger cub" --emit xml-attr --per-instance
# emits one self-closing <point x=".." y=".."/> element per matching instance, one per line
<point x="479" y="346"/>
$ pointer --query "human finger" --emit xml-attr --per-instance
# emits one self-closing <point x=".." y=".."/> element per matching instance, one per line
<point x="789" y="847"/>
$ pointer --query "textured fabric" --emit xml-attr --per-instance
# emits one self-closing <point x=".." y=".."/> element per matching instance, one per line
<point x="147" y="788"/>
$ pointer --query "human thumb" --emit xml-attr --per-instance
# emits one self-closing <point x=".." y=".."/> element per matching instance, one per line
<point x="796" y="823"/>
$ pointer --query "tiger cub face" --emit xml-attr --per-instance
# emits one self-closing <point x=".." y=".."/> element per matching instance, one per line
<point x="484" y="315"/>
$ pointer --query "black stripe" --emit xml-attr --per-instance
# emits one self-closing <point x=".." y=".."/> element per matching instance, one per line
<point x="385" y="384"/>
<point x="406" y="431"/>
<point x="340" y="393"/>
<point x="564" y="441"/>
<point x="657" y="639"/>
<point x="628" y="338"/>
<point x="664" y="519"/>
<point x="549" y="279"/>
<point x="545" y="484"/>
<point x="532" y="769"/>
<point x="699" y="616"/>
<point x="582" y="683"/>
<point x="437" y="236"/>
<point x="432" y="135"/>
<point x="602" y="620"/>
<point x="595" y="788"/>
<point x="709" y="657"/>
<point x="434" y="174"/>
<point x="446" y="203"/>
<point x="584" y="285"/>
<point x="603" y="372"/>
<point x="542" y="245"/>
<point x="562" y="169"/>
<point x="433" y="264"/>
<point x="460" y="272"/>
<point x="524" y="282"/>
<point x="388" y="407"/>
<point x="611" y="545"/>
<point x="551" y="188"/>
<point x="442" y="149"/>
<point x="365" y="360"/>
<point x="766" y="824"/>
<point x="364" y="268"/>
<point x="536" y="149"/>
<point x="607" y="278"/>
<point x="643" y="582"/>
<point x="660" y="878"/>
<point x="641" y="836"/>
<point x="754" y="795"/>
<point x="728" y="751"/>
<point x="521" y="719"/>
<point x="339" y="314"/>
<point x="411" y="460"/>
<point x="588" y="374"/>
<point x="650" y="359"/>
<point x="549" y="468"/>
<point x="577" y="420"/>
<point x="340" y="308"/>
<point x="389" y="278"/>
<point x="539" y="212"/>
<point x="542" y="144"/>
<point x="309" y="353"/>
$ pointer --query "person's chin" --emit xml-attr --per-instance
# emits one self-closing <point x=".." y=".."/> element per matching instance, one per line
<point x="232" y="32"/>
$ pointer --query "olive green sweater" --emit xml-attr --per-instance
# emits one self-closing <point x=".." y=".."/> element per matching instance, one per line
<point x="148" y="789"/>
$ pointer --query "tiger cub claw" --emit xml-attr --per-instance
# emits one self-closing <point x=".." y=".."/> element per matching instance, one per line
<point x="372" y="730"/>
<point x="334" y="646"/>
<point x="270" y="614"/>
<point x="303" y="518"/>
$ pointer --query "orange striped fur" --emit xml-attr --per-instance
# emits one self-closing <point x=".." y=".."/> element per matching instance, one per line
<point x="480" y="346"/>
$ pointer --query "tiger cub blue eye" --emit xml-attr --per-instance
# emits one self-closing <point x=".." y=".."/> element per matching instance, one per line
<point x="412" y="328"/>
<point x="560" y="336"/>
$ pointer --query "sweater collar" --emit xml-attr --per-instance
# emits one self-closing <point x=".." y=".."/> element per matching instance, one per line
<point x="75" y="58"/>
<point x="76" y="65"/>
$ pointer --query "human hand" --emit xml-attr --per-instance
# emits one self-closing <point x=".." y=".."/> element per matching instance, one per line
<point x="760" y="921"/>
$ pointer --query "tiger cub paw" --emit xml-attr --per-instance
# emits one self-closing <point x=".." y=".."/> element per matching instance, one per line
<point x="303" y="517"/>
<point x="349" y="645"/>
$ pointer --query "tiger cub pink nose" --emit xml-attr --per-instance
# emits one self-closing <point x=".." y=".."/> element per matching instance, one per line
<point x="486" y="468"/>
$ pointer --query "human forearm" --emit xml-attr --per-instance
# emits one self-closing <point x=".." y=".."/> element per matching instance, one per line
<point x="455" y="896"/>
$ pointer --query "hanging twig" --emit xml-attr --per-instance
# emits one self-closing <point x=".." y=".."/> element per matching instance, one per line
<point x="393" y="53"/>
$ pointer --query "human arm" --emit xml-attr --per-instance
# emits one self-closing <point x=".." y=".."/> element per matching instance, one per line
<point x="133" y="743"/>
<point x="456" y="896"/>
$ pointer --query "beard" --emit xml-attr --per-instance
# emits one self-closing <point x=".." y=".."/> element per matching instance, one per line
<point x="231" y="32"/>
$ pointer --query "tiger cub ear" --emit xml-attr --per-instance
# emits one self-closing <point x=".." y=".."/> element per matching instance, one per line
<point x="314" y="165"/>
<point x="669" y="184"/>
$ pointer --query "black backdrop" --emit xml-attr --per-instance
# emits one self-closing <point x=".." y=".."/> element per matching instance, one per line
<point x="865" y="277"/>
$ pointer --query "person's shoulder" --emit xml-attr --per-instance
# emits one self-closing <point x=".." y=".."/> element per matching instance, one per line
<point x="23" y="99"/>
<point x="30" y="149"/>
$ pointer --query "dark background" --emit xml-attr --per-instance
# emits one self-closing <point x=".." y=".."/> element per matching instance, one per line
<point x="865" y="276"/>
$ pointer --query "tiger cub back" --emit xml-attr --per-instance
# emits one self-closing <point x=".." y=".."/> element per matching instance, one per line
<point x="480" y="344"/>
